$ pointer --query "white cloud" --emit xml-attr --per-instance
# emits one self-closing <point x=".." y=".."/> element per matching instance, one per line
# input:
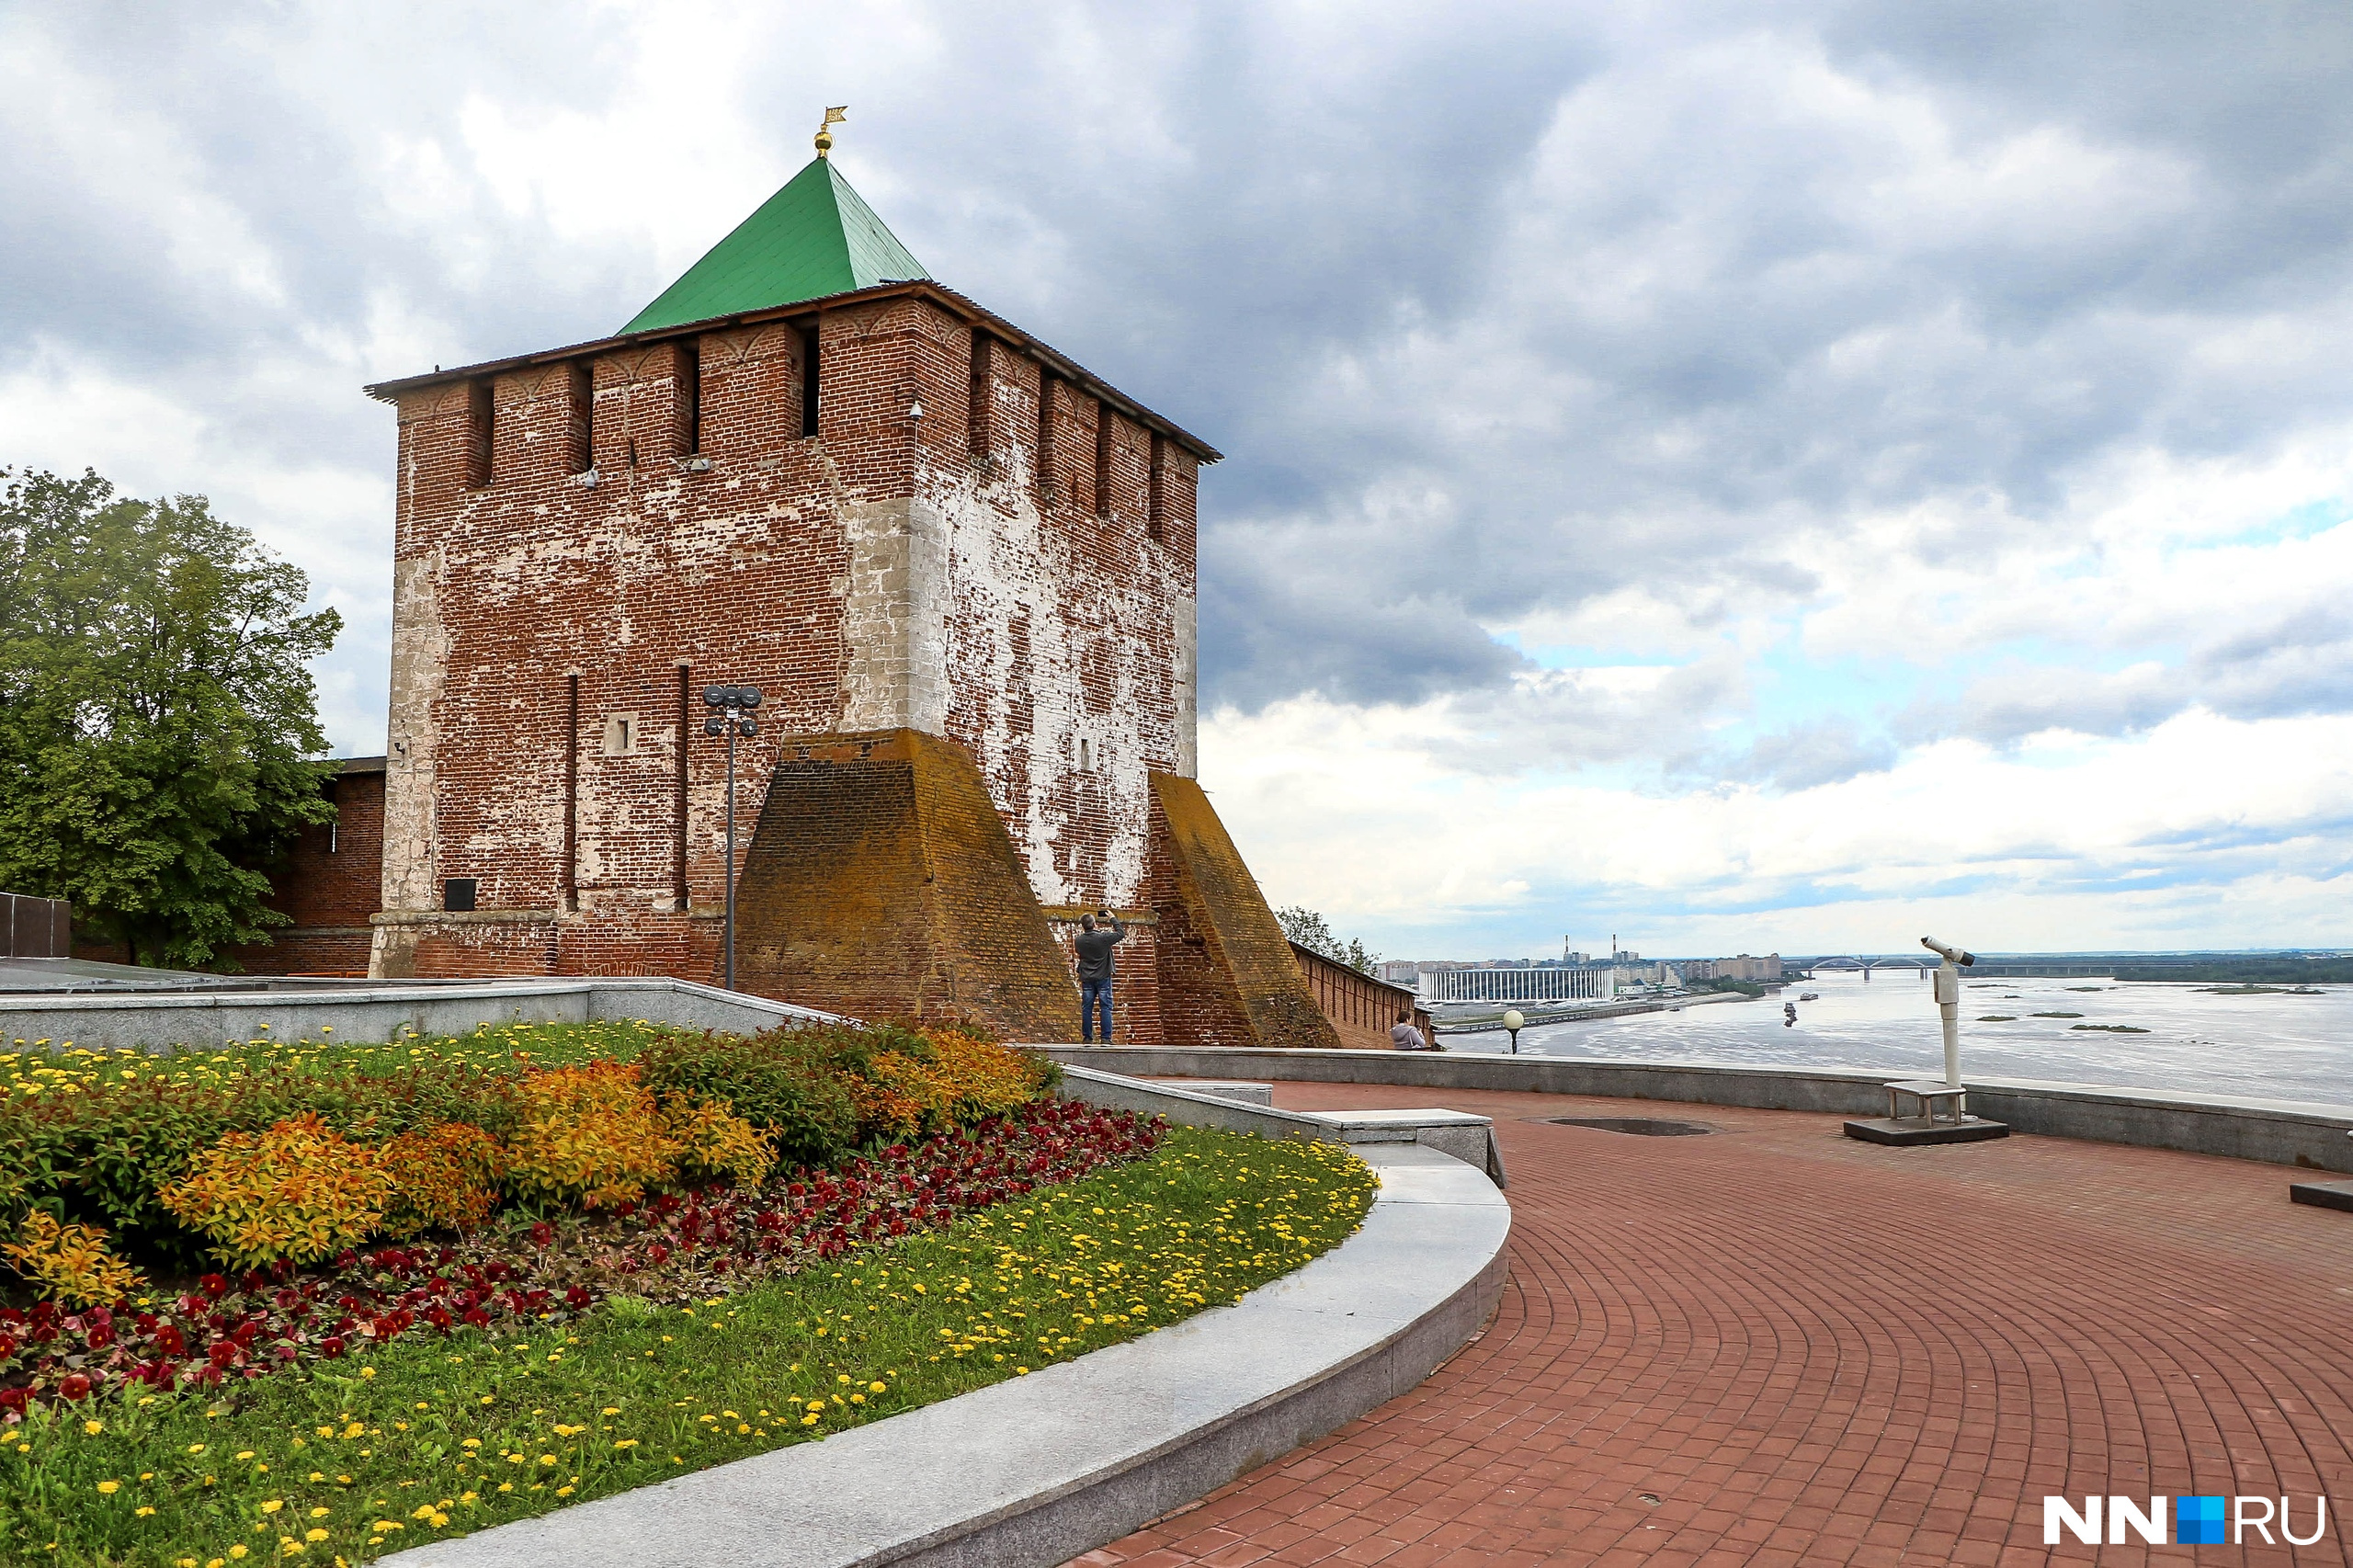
<point x="1855" y="428"/>
<point x="2205" y="831"/>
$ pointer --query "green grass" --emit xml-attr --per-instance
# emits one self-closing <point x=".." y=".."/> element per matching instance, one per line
<point x="635" y="1393"/>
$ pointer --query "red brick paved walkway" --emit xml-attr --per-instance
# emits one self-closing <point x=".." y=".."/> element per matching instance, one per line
<point x="1776" y="1345"/>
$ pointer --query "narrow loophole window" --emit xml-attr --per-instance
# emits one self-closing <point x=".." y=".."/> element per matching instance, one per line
<point x="481" y="411"/>
<point x="690" y="397"/>
<point x="583" y="386"/>
<point x="1103" y="418"/>
<point x="1155" y="500"/>
<point x="1045" y="433"/>
<point x="809" y="381"/>
<point x="981" y="411"/>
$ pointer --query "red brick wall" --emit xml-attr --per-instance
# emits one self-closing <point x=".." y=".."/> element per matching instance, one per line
<point x="330" y="884"/>
<point x="1362" y="1009"/>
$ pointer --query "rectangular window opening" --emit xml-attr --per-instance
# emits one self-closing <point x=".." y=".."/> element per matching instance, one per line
<point x="982" y="410"/>
<point x="1103" y="419"/>
<point x="582" y="388"/>
<point x="808" y="383"/>
<point x="690" y="397"/>
<point x="458" y="895"/>
<point x="1156" y="499"/>
<point x="480" y="412"/>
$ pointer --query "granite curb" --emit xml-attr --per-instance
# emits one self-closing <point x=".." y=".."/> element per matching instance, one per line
<point x="1040" y="1468"/>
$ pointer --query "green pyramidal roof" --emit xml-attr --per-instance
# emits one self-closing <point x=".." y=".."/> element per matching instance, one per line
<point x="814" y="238"/>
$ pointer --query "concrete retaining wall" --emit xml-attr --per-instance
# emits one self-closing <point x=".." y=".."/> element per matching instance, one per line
<point x="2279" y="1131"/>
<point x="1471" y="1139"/>
<point x="375" y="1014"/>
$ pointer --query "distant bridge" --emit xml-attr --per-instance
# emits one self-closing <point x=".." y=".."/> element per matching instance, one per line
<point x="1848" y="963"/>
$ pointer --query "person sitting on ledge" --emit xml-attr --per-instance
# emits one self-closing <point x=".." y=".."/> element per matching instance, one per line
<point x="1095" y="967"/>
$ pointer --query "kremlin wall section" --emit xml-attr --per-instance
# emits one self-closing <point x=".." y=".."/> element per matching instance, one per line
<point x="1010" y="571"/>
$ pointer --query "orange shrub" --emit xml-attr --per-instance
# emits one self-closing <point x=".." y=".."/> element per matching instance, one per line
<point x="71" y="1263"/>
<point x="444" y="1177"/>
<point x="947" y="1078"/>
<point x="299" y="1191"/>
<point x="712" y="1139"/>
<point x="590" y="1133"/>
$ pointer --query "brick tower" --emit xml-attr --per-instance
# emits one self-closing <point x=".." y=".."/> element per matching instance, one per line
<point x="961" y="569"/>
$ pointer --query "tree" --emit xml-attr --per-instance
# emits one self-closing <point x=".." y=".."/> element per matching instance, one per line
<point x="158" y="723"/>
<point x="1311" y="931"/>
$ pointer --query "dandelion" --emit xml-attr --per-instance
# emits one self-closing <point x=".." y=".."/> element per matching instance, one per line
<point x="108" y="1488"/>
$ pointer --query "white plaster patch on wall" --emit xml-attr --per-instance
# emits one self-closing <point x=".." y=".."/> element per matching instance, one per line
<point x="1100" y="665"/>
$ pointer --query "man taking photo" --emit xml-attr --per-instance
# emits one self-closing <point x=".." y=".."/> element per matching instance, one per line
<point x="1095" y="967"/>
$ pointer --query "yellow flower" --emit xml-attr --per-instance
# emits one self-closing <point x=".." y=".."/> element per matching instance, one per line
<point x="144" y="1511"/>
<point x="238" y="1550"/>
<point x="93" y="1428"/>
<point x="273" y="1506"/>
<point x="314" y="1535"/>
<point x="318" y="1513"/>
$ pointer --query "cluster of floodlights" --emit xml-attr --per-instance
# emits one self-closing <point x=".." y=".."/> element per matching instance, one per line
<point x="730" y="715"/>
<point x="730" y="705"/>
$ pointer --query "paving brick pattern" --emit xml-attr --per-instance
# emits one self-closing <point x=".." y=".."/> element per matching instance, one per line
<point x="1777" y="1345"/>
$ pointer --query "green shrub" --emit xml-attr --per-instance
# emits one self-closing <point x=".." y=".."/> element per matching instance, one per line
<point x="783" y="1083"/>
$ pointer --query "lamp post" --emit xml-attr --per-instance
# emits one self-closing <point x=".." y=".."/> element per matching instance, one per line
<point x="731" y="708"/>
<point x="1514" y="1022"/>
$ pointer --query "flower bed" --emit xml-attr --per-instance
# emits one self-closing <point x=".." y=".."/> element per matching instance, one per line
<point x="435" y="1433"/>
<point x="674" y="1248"/>
<point x="281" y="1156"/>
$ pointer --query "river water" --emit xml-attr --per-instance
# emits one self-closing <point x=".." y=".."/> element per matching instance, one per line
<point x="2267" y="1047"/>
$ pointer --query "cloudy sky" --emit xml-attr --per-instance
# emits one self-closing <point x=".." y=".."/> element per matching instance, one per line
<point x="1781" y="475"/>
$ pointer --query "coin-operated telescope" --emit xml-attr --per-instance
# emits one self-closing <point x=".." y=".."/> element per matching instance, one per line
<point x="1949" y="1000"/>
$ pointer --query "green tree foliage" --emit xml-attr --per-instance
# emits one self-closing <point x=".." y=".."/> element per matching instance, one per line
<point x="1311" y="931"/>
<point x="157" y="718"/>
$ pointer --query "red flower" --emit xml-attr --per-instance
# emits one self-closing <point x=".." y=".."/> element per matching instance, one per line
<point x="213" y="1286"/>
<point x="75" y="1386"/>
<point x="331" y="1346"/>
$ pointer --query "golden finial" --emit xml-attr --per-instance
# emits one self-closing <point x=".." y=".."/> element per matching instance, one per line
<point x="825" y="132"/>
